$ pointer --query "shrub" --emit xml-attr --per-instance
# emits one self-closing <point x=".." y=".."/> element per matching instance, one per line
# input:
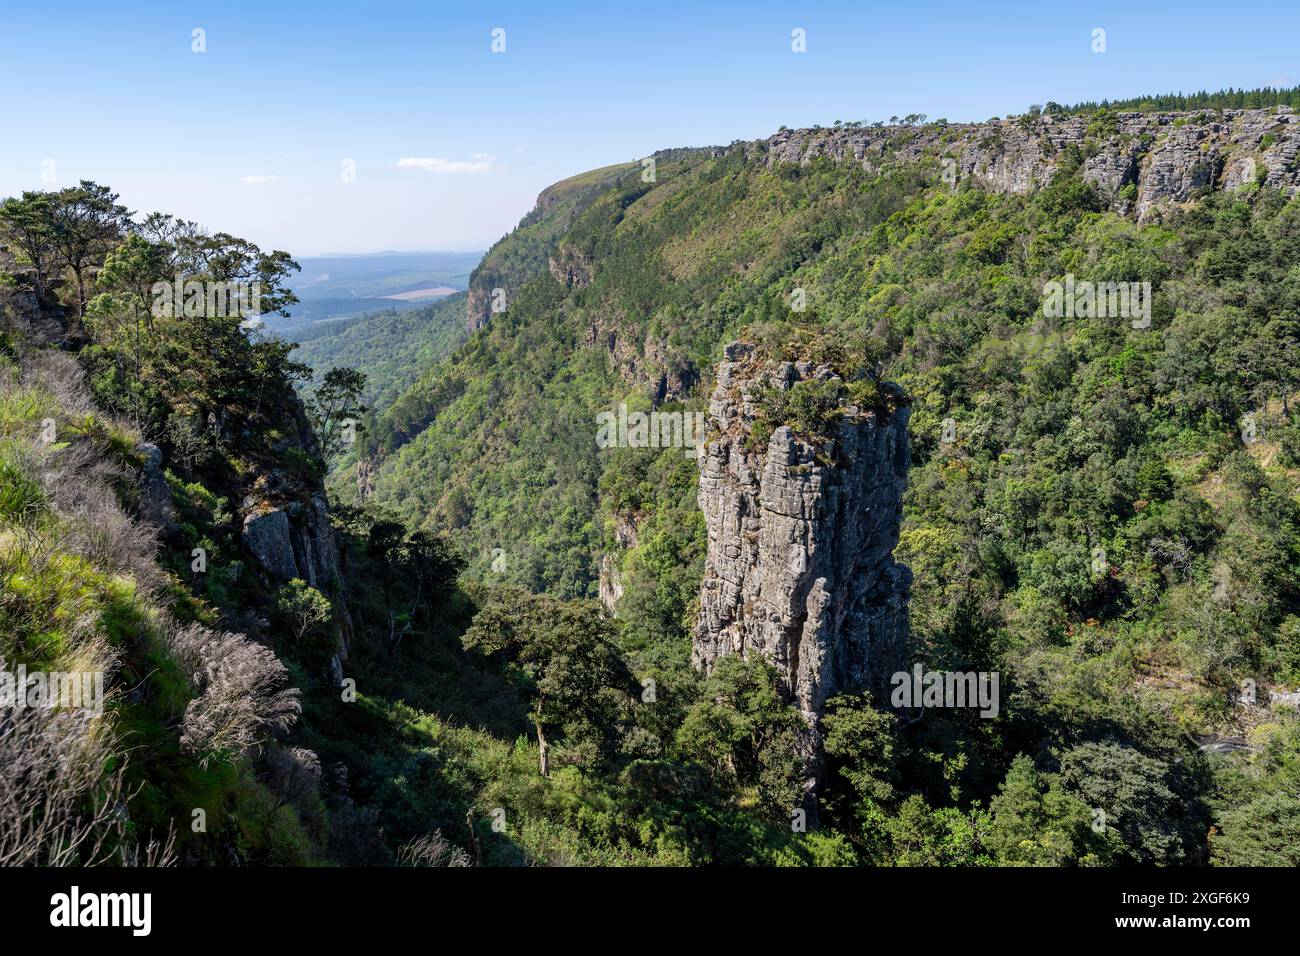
<point x="21" y="498"/>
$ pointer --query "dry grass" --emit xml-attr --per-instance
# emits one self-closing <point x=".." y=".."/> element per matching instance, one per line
<point x="62" y="795"/>
<point x="241" y="692"/>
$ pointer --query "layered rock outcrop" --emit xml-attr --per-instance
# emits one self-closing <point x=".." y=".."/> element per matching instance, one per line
<point x="286" y="528"/>
<point x="478" y="307"/>
<point x="571" y="268"/>
<point x="266" y="536"/>
<point x="295" y="542"/>
<point x="21" y="311"/>
<point x="800" y="539"/>
<point x="642" y="360"/>
<point x="1167" y="157"/>
<point x="611" y="578"/>
<point x="1141" y="162"/>
<point x="155" y="501"/>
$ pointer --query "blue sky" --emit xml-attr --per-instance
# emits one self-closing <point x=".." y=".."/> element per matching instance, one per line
<point x="251" y="136"/>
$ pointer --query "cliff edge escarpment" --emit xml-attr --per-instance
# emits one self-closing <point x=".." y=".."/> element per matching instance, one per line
<point x="1138" y="161"/>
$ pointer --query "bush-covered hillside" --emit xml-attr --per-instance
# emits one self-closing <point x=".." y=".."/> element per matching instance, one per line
<point x="1102" y="510"/>
<point x="1114" y="525"/>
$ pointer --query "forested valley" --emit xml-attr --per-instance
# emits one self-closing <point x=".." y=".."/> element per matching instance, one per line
<point x="398" y="606"/>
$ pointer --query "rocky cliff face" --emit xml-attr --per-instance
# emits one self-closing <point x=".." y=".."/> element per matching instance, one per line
<point x="642" y="360"/>
<point x="478" y="306"/>
<point x="1167" y="157"/>
<point x="800" y="540"/>
<point x="21" y="312"/>
<point x="571" y="268"/>
<point x="286" y="528"/>
<point x="611" y="578"/>
<point x="295" y="541"/>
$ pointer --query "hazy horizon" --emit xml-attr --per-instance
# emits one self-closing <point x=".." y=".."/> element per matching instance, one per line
<point x="410" y="127"/>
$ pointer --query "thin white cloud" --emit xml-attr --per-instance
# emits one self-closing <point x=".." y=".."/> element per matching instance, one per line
<point x="254" y="180"/>
<point x="478" y="163"/>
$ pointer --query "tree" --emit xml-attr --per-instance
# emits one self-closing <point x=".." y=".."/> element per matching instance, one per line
<point x="128" y="275"/>
<point x="1036" y="822"/>
<point x="923" y="836"/>
<point x="225" y="258"/>
<point x="303" y="607"/>
<point x="1135" y="791"/>
<point x="131" y="270"/>
<point x="860" y="744"/>
<point x="335" y="410"/>
<point x="742" y="729"/>
<point x="29" y="223"/>
<point x="417" y="559"/>
<point x="190" y="253"/>
<point x="580" y="686"/>
<point x="170" y="234"/>
<point x="87" y="222"/>
<point x="1262" y="827"/>
<point x="207" y="366"/>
